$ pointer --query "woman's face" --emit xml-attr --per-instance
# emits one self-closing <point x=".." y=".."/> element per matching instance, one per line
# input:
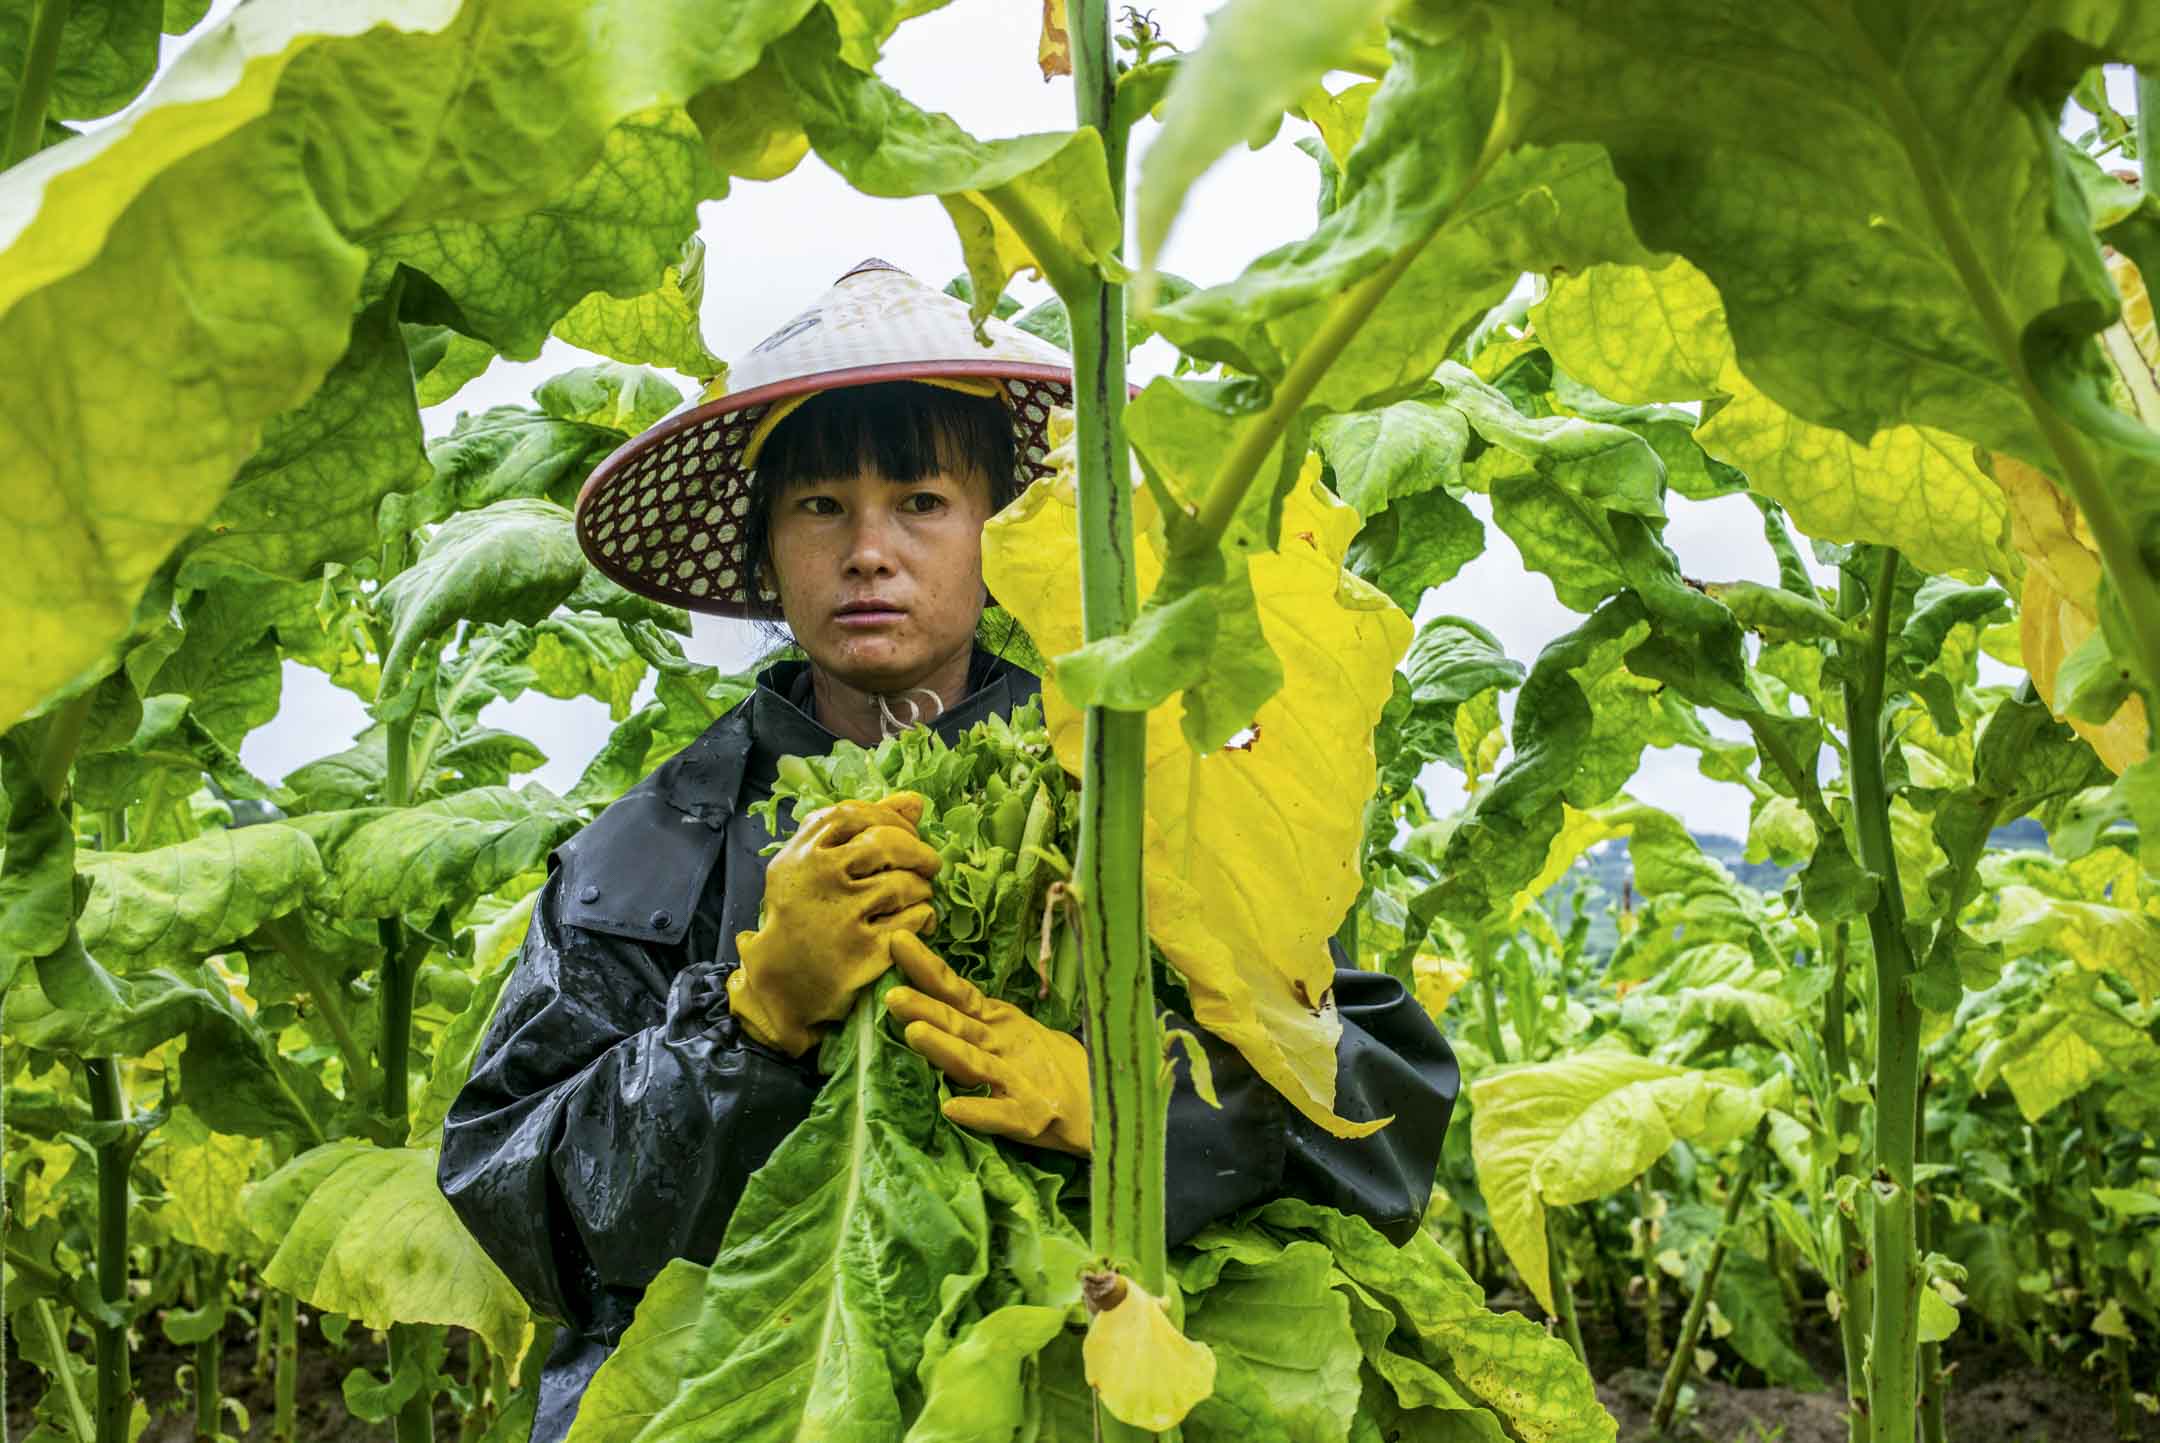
<point x="880" y="581"/>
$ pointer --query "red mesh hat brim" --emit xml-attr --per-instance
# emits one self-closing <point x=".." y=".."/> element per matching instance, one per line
<point x="664" y="516"/>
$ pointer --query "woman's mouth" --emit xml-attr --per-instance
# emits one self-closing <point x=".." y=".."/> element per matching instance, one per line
<point x="866" y="614"/>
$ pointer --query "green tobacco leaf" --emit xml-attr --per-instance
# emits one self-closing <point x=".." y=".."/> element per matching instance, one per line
<point x="108" y="52"/>
<point x="179" y="903"/>
<point x="1501" y="1360"/>
<point x="1500" y="842"/>
<point x="37" y="862"/>
<point x="621" y="226"/>
<point x="513" y="561"/>
<point x="1639" y="334"/>
<point x="1286" y="1360"/>
<point x="1576" y="1129"/>
<point x="501" y="453"/>
<point x="1424" y="173"/>
<point x="496" y="949"/>
<point x="617" y="397"/>
<point x="620" y="764"/>
<point x="650" y="1360"/>
<point x="975" y="1393"/>
<point x="1857" y="297"/>
<point x="657" y="328"/>
<point x="289" y="191"/>
<point x="366" y="1232"/>
<point x="1036" y="200"/>
<point x="204" y="1173"/>
<point x="230" y="1073"/>
<point x="311" y="493"/>
<point x="831" y="1269"/>
<point x="1259" y="58"/>
<point x="226" y="664"/>
<point x="1383" y="455"/>
<point x="2072" y="1040"/>
<point x="1418" y="543"/>
<point x="384" y="861"/>
<point x="1451" y="660"/>
<point x="443" y="360"/>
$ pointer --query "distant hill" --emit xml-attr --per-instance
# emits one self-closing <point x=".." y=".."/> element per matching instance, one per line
<point x="1607" y="873"/>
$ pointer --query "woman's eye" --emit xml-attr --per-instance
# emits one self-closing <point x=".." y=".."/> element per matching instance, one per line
<point x="821" y="506"/>
<point x="922" y="501"/>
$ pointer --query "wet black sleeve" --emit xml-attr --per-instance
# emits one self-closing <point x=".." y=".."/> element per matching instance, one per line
<point x="1391" y="1061"/>
<point x="612" y="1117"/>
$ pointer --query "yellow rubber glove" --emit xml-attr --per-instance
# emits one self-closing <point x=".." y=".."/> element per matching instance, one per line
<point x="1038" y="1077"/>
<point x="852" y="878"/>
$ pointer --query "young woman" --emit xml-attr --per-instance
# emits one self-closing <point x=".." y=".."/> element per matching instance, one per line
<point x="657" y="1039"/>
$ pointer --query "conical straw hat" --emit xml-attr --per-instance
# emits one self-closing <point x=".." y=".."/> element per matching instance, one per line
<point x="664" y="515"/>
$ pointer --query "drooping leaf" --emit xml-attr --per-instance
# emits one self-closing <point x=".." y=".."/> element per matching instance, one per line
<point x="1579" y="1127"/>
<point x="179" y="903"/>
<point x="383" y="861"/>
<point x="512" y="561"/>
<point x="366" y="1231"/>
<point x="1143" y="1370"/>
<point x="291" y="194"/>
<point x="625" y="398"/>
<point x="1254" y="958"/>
<point x="658" y="328"/>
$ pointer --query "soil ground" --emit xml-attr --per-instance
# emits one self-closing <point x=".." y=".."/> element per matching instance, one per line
<point x="1997" y="1396"/>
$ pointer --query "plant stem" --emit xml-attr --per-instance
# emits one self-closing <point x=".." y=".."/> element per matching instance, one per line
<point x="1563" y="1293"/>
<point x="1852" y="1257"/>
<point x="210" y="1351"/>
<point x="1481" y="966"/>
<point x="1892" y="1387"/>
<point x="1691" y="1324"/>
<point x="1646" y="1254"/>
<point x="284" y="1426"/>
<point x="56" y="1344"/>
<point x="115" y="1395"/>
<point x="416" y="1418"/>
<point x="328" y="999"/>
<point x="26" y="123"/>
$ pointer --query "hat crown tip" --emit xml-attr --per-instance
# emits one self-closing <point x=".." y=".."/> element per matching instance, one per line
<point x="871" y="263"/>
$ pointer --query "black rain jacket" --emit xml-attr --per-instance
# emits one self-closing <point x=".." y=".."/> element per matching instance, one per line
<point x="615" y="1109"/>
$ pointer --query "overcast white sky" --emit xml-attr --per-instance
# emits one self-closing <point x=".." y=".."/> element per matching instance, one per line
<point x="772" y="248"/>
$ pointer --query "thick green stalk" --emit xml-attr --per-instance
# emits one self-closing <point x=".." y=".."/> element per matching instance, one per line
<point x="210" y="1351"/>
<point x="26" y="122"/>
<point x="1851" y="1265"/>
<point x="1893" y="1388"/>
<point x="285" y="1421"/>
<point x="1482" y="963"/>
<point x="1563" y="1292"/>
<point x="415" y="1421"/>
<point x="115" y="1395"/>
<point x="1691" y="1323"/>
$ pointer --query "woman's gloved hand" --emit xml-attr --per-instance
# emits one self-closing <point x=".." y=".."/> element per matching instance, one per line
<point x="853" y="877"/>
<point x="1038" y="1077"/>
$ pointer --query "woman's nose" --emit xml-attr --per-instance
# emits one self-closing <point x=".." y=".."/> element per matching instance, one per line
<point x="870" y="545"/>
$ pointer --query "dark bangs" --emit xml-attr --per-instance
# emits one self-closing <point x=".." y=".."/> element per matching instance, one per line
<point x="901" y="430"/>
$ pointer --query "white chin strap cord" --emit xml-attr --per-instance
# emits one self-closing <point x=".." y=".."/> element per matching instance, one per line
<point x="891" y="724"/>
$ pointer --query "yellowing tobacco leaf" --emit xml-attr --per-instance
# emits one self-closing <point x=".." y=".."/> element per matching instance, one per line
<point x="1641" y="335"/>
<point x="1439" y="979"/>
<point x="2059" y="610"/>
<point x="1249" y="935"/>
<point x="1054" y="51"/>
<point x="1580" y="1127"/>
<point x="1147" y="1373"/>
